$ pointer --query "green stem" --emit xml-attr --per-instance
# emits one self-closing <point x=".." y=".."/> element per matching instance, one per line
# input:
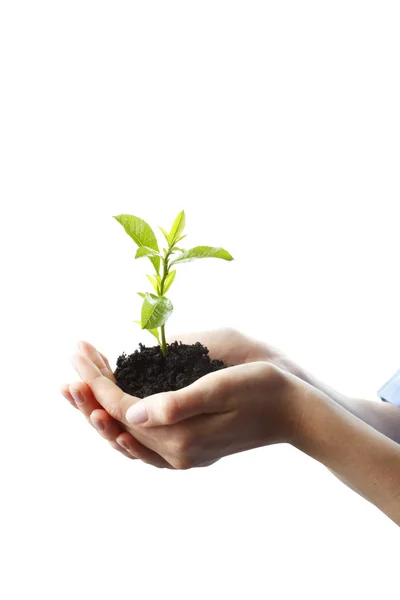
<point x="165" y="273"/>
<point x="163" y="342"/>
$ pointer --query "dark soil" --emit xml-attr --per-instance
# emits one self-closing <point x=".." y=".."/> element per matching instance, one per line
<point x="147" y="371"/>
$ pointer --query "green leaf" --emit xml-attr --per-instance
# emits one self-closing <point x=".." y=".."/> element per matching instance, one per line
<point x="152" y="331"/>
<point x="177" y="227"/>
<point x="141" y="233"/>
<point x="169" y="280"/>
<point x="141" y="294"/>
<point x="154" y="283"/>
<point x="144" y="251"/>
<point x="202" y="252"/>
<point x="155" y="311"/>
<point x="155" y="333"/>
<point x="180" y="238"/>
<point x="165" y="234"/>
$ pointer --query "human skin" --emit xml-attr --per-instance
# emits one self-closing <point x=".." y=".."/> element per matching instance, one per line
<point x="234" y="348"/>
<point x="226" y="344"/>
<point x="250" y="405"/>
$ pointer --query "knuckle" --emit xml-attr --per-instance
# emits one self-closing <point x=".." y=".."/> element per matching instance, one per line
<point x="185" y="464"/>
<point x="104" y="370"/>
<point x="216" y="389"/>
<point x="115" y="412"/>
<point x="184" y="444"/>
<point x="273" y="374"/>
<point x="181" y="451"/>
<point x="170" y="409"/>
<point x="182" y="463"/>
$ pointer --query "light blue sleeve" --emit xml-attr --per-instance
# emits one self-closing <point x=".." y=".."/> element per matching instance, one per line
<point x="390" y="392"/>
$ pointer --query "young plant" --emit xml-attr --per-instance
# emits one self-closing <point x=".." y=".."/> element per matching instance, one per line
<point x="157" y="308"/>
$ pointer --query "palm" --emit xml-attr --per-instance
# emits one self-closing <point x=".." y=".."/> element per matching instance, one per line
<point x="236" y="348"/>
<point x="229" y="345"/>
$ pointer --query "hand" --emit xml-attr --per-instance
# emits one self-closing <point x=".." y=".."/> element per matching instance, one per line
<point x="226" y="344"/>
<point x="225" y="412"/>
<point x="81" y="397"/>
<point x="236" y="348"/>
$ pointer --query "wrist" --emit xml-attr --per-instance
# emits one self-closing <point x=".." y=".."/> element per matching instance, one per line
<point x="309" y="409"/>
<point x="286" y="399"/>
<point x="319" y="385"/>
<point x="281" y="361"/>
<point x="321" y="428"/>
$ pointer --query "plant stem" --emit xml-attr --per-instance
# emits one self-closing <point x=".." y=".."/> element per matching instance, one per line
<point x="163" y="342"/>
<point x="165" y="273"/>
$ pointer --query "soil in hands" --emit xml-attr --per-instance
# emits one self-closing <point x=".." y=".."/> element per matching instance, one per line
<point x="147" y="371"/>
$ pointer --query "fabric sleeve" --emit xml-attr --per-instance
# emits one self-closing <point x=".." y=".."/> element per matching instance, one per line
<point x="390" y="391"/>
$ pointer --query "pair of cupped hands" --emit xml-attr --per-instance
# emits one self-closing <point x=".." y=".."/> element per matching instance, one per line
<point x="259" y="400"/>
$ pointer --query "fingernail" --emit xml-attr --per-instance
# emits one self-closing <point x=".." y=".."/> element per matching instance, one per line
<point x="126" y="447"/>
<point x="137" y="414"/>
<point x="98" y="424"/>
<point x="76" y="361"/>
<point x="123" y="444"/>
<point x="77" y="396"/>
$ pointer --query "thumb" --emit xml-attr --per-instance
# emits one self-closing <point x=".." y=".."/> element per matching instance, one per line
<point x="169" y="408"/>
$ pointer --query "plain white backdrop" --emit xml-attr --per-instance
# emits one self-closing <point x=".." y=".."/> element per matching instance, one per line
<point x="276" y="126"/>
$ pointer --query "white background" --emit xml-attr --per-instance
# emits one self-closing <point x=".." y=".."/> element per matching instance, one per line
<point x="276" y="126"/>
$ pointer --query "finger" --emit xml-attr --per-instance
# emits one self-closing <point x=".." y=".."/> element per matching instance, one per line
<point x="117" y="447"/>
<point x="132" y="445"/>
<point x="168" y="408"/>
<point x="83" y="397"/>
<point x="87" y="404"/>
<point x="64" y="389"/>
<point x="111" y="431"/>
<point x="128" y="442"/>
<point x="97" y="358"/>
<point x="107" y="393"/>
<point x="136" y="449"/>
<point x="206" y="464"/>
<point x="105" y="425"/>
<point x="106" y="363"/>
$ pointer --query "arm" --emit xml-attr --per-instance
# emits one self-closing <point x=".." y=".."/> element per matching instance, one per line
<point x="249" y="406"/>
<point x="234" y="348"/>
<point x="360" y="456"/>
<point x="382" y="416"/>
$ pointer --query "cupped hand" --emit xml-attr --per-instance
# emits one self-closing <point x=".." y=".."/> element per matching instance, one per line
<point x="236" y="348"/>
<point x="225" y="412"/>
<point x="227" y="344"/>
<point x="81" y="396"/>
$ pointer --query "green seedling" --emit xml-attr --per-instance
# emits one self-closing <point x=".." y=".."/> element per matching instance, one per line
<point x="157" y="308"/>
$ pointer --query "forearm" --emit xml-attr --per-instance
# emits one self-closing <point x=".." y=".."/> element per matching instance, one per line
<point x="381" y="416"/>
<point x="363" y="458"/>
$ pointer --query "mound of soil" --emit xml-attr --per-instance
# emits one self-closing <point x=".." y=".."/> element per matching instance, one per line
<point x="147" y="371"/>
